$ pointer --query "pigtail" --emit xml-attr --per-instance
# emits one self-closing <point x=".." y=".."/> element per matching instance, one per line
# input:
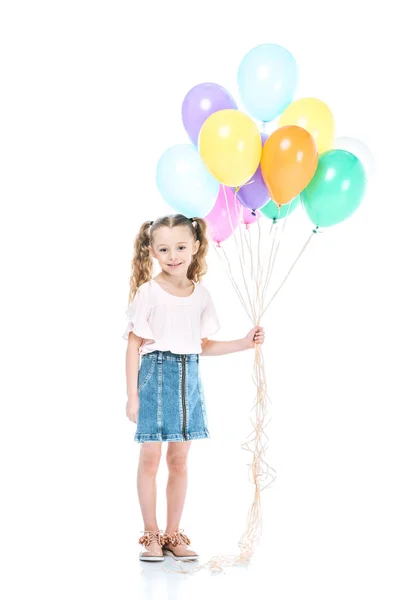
<point x="142" y="261"/>
<point x="198" y="267"/>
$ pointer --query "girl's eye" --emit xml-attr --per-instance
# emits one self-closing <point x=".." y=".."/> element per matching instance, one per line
<point x="162" y="249"/>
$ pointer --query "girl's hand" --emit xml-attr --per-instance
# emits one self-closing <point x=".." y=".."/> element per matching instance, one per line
<point x="255" y="336"/>
<point x="132" y="407"/>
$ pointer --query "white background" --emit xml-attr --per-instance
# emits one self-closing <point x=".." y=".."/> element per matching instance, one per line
<point x="91" y="97"/>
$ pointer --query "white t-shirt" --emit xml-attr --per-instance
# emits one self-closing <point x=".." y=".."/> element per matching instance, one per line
<point x="169" y="322"/>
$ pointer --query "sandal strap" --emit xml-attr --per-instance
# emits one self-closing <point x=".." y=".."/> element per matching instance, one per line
<point x="177" y="537"/>
<point x="152" y="536"/>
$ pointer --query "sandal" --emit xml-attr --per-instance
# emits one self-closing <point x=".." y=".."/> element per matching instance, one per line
<point x="153" y="540"/>
<point x="178" y="546"/>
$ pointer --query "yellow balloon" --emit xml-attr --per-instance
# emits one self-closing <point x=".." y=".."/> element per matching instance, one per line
<point x="315" y="117"/>
<point x="230" y="146"/>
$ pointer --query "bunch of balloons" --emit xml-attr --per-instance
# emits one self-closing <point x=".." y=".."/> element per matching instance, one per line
<point x="232" y="166"/>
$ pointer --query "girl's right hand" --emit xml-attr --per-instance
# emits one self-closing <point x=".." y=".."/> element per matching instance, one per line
<point x="132" y="407"/>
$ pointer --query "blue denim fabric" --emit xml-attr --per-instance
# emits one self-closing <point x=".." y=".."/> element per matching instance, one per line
<point x="171" y="398"/>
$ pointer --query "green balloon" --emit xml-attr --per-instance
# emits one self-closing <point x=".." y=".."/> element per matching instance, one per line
<point x="271" y="210"/>
<point x="336" y="190"/>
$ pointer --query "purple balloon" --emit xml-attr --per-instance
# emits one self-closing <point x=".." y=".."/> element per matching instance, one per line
<point x="255" y="195"/>
<point x="202" y="101"/>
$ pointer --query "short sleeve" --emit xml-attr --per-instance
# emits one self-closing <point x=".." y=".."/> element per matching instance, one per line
<point x="209" y="320"/>
<point x="138" y="314"/>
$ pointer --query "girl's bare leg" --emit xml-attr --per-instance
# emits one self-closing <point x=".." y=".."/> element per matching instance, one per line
<point x="149" y="460"/>
<point x="177" y="483"/>
<point x="176" y="491"/>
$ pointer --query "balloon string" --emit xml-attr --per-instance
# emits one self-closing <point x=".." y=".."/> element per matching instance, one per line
<point x="237" y="289"/>
<point x="239" y="187"/>
<point x="240" y="257"/>
<point x="247" y="238"/>
<point x="269" y="273"/>
<point x="291" y="269"/>
<point x="259" y="266"/>
<point x="240" y="231"/>
<point x="239" y="253"/>
<point x="273" y="224"/>
<point x="271" y="260"/>
<point x="228" y="212"/>
<point x="254" y="279"/>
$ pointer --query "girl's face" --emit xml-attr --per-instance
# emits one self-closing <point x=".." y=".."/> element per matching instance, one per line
<point x="174" y="248"/>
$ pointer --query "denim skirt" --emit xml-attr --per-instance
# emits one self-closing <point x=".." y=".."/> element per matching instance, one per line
<point x="171" y="398"/>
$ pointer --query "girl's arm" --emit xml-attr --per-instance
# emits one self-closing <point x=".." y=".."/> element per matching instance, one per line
<point x="132" y="364"/>
<point x="214" y="348"/>
<point x="132" y="371"/>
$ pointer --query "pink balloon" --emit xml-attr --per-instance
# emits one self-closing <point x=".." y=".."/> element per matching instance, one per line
<point x="218" y="220"/>
<point x="249" y="217"/>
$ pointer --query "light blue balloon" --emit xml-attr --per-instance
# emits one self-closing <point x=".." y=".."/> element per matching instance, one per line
<point x="184" y="181"/>
<point x="267" y="81"/>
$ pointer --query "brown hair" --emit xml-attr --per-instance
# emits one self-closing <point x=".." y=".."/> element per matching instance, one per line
<point x="142" y="261"/>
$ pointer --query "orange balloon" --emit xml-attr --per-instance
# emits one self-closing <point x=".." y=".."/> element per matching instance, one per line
<point x="289" y="160"/>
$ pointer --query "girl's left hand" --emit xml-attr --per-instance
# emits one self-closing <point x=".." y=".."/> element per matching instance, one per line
<point x="255" y="336"/>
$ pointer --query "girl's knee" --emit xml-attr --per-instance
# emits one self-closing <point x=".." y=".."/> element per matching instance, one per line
<point x="150" y="455"/>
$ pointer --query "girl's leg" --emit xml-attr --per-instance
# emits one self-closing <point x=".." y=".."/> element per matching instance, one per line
<point x="149" y="460"/>
<point x="177" y="483"/>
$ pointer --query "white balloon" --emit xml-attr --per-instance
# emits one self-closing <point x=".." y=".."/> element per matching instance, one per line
<point x="359" y="149"/>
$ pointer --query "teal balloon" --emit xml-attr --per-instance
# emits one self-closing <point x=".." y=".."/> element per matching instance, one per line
<point x="267" y="80"/>
<point x="271" y="210"/>
<point x="184" y="181"/>
<point x="336" y="190"/>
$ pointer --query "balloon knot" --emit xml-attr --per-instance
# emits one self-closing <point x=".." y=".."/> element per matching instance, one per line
<point x="253" y="213"/>
<point x="316" y="229"/>
<point x="236" y="189"/>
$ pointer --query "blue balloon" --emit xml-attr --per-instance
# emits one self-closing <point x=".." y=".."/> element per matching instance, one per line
<point x="184" y="181"/>
<point x="267" y="79"/>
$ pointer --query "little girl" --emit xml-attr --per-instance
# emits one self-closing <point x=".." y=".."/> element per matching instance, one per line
<point x="171" y="317"/>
